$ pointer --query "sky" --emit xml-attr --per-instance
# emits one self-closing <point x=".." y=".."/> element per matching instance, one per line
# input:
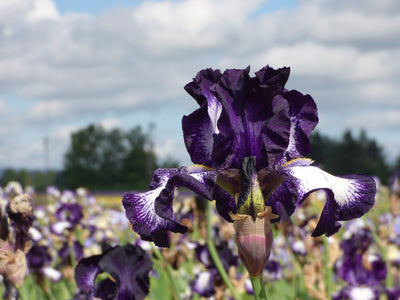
<point x="66" y="64"/>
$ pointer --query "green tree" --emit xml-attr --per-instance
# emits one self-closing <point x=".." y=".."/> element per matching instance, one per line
<point x="397" y="163"/>
<point x="106" y="160"/>
<point x="350" y="155"/>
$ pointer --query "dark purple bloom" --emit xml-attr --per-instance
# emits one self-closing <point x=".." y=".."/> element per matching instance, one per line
<point x="129" y="268"/>
<point x="248" y="140"/>
<point x="393" y="293"/>
<point x="39" y="260"/>
<point x="227" y="256"/>
<point x="357" y="293"/>
<point x="38" y="257"/>
<point x="360" y="270"/>
<point x="67" y="252"/>
<point x="357" y="242"/>
<point x="274" y="270"/>
<point x="204" y="284"/>
<point x="70" y="212"/>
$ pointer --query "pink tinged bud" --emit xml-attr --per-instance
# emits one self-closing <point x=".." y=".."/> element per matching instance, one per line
<point x="13" y="265"/>
<point x="254" y="240"/>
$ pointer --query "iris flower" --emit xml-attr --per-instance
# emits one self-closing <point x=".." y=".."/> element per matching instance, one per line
<point x="248" y="141"/>
<point x="128" y="266"/>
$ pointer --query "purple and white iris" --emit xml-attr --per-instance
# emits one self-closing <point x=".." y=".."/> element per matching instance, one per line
<point x="248" y="141"/>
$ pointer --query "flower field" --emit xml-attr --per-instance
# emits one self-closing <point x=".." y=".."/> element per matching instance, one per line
<point x="361" y="261"/>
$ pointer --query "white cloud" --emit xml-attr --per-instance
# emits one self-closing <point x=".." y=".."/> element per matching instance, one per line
<point x="388" y="119"/>
<point x="43" y="10"/>
<point x="76" y="69"/>
<point x="111" y="123"/>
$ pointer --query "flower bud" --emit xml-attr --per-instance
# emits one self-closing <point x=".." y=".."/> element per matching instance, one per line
<point x="254" y="240"/>
<point x="13" y="265"/>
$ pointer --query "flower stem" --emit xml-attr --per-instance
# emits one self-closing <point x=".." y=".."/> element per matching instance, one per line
<point x="214" y="254"/>
<point x="169" y="271"/>
<point x="328" y="270"/>
<point x="258" y="288"/>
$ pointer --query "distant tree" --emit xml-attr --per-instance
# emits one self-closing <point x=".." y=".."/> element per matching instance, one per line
<point x="102" y="160"/>
<point x="397" y="163"/>
<point x="169" y="162"/>
<point x="350" y="155"/>
<point x="38" y="179"/>
<point x="10" y="174"/>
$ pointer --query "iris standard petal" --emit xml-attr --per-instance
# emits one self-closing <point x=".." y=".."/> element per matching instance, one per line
<point x="241" y="116"/>
<point x="289" y="129"/>
<point x="151" y="213"/>
<point x="347" y="197"/>
<point x="200" y="126"/>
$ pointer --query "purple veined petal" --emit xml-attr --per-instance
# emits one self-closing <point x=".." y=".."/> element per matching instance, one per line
<point x="129" y="266"/>
<point x="86" y="272"/>
<point x="241" y="116"/>
<point x="151" y="213"/>
<point x="347" y="197"/>
<point x="200" y="126"/>
<point x="288" y="131"/>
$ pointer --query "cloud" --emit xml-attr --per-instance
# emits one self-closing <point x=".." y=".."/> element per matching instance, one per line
<point x="387" y="119"/>
<point x="130" y="64"/>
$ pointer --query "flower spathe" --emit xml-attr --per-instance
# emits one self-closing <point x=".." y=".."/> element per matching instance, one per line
<point x="248" y="141"/>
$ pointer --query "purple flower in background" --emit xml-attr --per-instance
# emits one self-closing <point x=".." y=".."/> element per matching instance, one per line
<point x="70" y="212"/>
<point x="203" y="284"/>
<point x="129" y="267"/>
<point x="228" y="258"/>
<point x="248" y="140"/>
<point x="39" y="259"/>
<point x="360" y="270"/>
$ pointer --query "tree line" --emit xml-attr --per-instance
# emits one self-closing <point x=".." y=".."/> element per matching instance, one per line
<point x="116" y="159"/>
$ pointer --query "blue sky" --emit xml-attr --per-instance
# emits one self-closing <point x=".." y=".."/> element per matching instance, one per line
<point x="66" y="64"/>
<point x="91" y="6"/>
<point x="98" y="6"/>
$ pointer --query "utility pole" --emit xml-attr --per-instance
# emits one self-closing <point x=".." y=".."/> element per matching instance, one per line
<point x="150" y="164"/>
<point x="46" y="154"/>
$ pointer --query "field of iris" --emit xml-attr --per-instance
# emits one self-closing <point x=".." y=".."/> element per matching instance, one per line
<point x="362" y="261"/>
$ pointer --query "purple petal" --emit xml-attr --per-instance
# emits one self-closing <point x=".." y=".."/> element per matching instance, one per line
<point x="199" y="138"/>
<point x="151" y="213"/>
<point x="70" y="212"/>
<point x="348" y="197"/>
<point x="288" y="131"/>
<point x="130" y="266"/>
<point x="38" y="257"/>
<point x="203" y="284"/>
<point x="241" y="116"/>
<point x="86" y="272"/>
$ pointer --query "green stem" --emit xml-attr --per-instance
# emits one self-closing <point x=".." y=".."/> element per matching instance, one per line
<point x="214" y="254"/>
<point x="258" y="288"/>
<point x="328" y="270"/>
<point x="169" y="271"/>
